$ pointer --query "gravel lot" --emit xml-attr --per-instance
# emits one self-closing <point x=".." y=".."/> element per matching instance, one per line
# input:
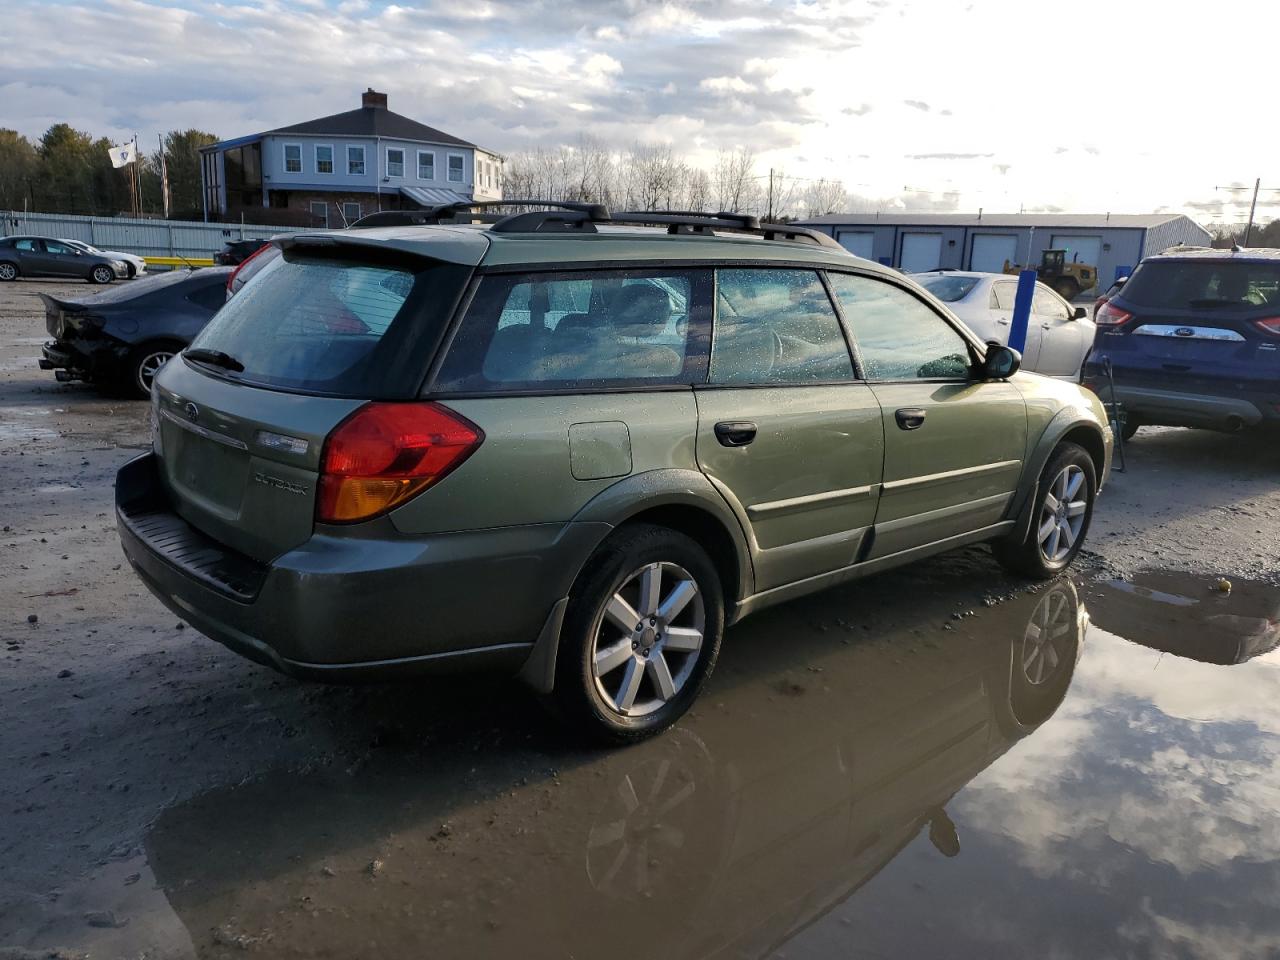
<point x="112" y="712"/>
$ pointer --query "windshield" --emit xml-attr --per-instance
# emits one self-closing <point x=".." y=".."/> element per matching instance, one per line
<point x="947" y="288"/>
<point x="1190" y="284"/>
<point x="332" y="326"/>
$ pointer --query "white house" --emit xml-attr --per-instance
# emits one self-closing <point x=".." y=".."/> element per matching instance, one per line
<point x="334" y="170"/>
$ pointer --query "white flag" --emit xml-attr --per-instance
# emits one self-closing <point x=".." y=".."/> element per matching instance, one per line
<point x="123" y="155"/>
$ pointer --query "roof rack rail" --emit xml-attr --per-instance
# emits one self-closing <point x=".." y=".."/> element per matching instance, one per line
<point x="467" y="211"/>
<point x="584" y="217"/>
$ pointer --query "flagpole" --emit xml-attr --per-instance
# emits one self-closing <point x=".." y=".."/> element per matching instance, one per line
<point x="137" y="179"/>
<point x="164" y="177"/>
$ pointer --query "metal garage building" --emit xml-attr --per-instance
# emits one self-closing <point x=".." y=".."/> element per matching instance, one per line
<point x="961" y="241"/>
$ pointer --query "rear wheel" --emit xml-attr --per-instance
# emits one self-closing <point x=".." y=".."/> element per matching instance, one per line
<point x="1131" y="425"/>
<point x="102" y="274"/>
<point x="641" y="634"/>
<point x="8" y="271"/>
<point x="1060" y="517"/>
<point x="144" y="363"/>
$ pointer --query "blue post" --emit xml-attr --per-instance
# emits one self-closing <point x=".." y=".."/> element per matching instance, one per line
<point x="1022" y="310"/>
<point x="1123" y="272"/>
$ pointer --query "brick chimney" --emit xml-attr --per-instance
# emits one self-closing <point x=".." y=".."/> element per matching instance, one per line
<point x="372" y="98"/>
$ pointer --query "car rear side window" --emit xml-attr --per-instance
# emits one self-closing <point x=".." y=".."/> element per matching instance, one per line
<point x="776" y="326"/>
<point x="1208" y="284"/>
<point x="348" y="327"/>
<point x="899" y="337"/>
<point x="597" y="329"/>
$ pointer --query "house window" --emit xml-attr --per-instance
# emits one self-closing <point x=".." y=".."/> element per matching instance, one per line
<point x="324" y="158"/>
<point x="455" y="168"/>
<point x="351" y="211"/>
<point x="426" y="165"/>
<point x="320" y="212"/>
<point x="293" y="158"/>
<point x="355" y="161"/>
<point x="395" y="163"/>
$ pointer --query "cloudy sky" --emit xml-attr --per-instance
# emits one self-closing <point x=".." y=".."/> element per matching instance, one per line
<point x="1095" y="105"/>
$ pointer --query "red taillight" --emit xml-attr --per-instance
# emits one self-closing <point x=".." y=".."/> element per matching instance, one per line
<point x="244" y="263"/>
<point x="1109" y="315"/>
<point x="386" y="453"/>
<point x="1269" y="325"/>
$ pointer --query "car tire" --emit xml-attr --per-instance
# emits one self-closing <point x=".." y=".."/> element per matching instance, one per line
<point x="9" y="271"/>
<point x="1131" y="426"/>
<point x="101" y="274"/>
<point x="130" y="269"/>
<point x="144" y="362"/>
<point x="1042" y="553"/>
<point x="620" y="682"/>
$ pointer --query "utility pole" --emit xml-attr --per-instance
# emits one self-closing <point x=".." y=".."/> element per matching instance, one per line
<point x="769" y="217"/>
<point x="1257" y="184"/>
<point x="1253" y="205"/>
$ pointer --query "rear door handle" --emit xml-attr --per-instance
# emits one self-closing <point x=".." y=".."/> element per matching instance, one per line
<point x="735" y="433"/>
<point x="910" y="418"/>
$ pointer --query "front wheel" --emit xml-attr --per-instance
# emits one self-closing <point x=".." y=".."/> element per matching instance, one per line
<point x="1060" y="518"/>
<point x="102" y="274"/>
<point x="641" y="634"/>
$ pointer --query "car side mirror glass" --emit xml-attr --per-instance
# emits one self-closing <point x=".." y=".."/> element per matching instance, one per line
<point x="1001" y="362"/>
<point x="1079" y="313"/>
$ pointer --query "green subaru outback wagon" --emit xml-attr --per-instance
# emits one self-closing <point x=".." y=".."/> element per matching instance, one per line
<point x="576" y="446"/>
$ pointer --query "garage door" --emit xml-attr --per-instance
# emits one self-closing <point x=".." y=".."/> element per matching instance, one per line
<point x="858" y="243"/>
<point x="991" y="250"/>
<point x="920" y="252"/>
<point x="1081" y="249"/>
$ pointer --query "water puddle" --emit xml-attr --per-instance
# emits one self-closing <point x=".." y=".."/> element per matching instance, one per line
<point x="1082" y="771"/>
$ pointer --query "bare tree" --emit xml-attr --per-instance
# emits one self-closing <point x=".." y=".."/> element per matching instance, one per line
<point x="733" y="180"/>
<point x="824" y="196"/>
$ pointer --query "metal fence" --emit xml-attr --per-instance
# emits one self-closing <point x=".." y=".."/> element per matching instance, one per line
<point x="146" y="238"/>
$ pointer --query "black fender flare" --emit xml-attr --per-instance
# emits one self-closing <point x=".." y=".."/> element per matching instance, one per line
<point x="1063" y="422"/>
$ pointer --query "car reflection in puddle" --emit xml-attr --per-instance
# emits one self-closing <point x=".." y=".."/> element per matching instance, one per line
<point x="1003" y="788"/>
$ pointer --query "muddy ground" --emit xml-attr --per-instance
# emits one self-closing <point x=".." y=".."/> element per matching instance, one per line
<point x="162" y="797"/>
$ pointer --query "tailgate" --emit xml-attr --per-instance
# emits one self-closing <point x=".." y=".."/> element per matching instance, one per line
<point x="1206" y="347"/>
<point x="241" y="463"/>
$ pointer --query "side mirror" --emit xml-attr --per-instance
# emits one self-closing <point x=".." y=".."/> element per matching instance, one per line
<point x="1001" y="363"/>
<point x="1079" y="313"/>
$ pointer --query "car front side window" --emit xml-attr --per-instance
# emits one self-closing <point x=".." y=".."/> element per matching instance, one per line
<point x="899" y="337"/>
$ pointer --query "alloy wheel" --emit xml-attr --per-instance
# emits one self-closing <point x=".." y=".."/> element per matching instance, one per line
<point x="647" y="639"/>
<point x="1040" y="651"/>
<point x="8" y="271"/>
<point x="103" y="275"/>
<point x="1062" y="515"/>
<point x="149" y="366"/>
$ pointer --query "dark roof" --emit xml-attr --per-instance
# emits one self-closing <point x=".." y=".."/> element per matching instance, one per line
<point x="1205" y="253"/>
<point x="1091" y="221"/>
<point x="373" y="122"/>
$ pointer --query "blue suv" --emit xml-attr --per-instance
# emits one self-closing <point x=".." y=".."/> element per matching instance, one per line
<point x="1193" y="338"/>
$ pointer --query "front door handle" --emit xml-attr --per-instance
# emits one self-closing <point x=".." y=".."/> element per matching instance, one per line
<point x="735" y="433"/>
<point x="910" y="418"/>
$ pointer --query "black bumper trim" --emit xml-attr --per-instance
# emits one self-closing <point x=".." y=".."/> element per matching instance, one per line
<point x="144" y="510"/>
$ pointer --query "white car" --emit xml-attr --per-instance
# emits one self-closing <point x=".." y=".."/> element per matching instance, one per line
<point x="1059" y="335"/>
<point x="136" y="265"/>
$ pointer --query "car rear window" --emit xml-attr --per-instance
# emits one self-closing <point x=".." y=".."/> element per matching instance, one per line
<point x="581" y="330"/>
<point x="1204" y="284"/>
<point x="341" y="327"/>
<point x="947" y="289"/>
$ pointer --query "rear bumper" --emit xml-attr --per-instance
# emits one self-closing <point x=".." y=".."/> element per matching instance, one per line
<point x="1178" y="409"/>
<point x="345" y="607"/>
<point x="86" y="358"/>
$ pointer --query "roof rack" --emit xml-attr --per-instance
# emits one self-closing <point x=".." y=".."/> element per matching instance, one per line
<point x="580" y="217"/>
<point x="467" y="211"/>
<point x="584" y="217"/>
